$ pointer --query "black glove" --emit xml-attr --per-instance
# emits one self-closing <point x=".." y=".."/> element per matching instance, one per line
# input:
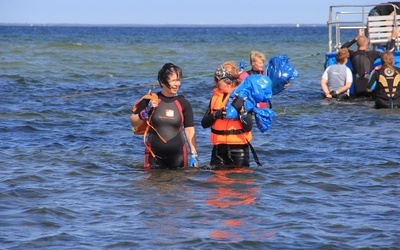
<point x="145" y="113"/>
<point x="237" y="103"/>
<point x="333" y="94"/>
<point x="219" y="114"/>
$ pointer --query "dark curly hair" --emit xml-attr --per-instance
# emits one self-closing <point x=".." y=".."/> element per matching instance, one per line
<point x="166" y="71"/>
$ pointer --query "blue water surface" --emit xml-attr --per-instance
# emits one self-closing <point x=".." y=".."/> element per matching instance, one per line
<point x="71" y="172"/>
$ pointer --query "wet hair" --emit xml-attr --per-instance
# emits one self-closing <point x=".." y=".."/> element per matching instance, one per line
<point x="227" y="72"/>
<point x="166" y="71"/>
<point x="341" y="55"/>
<point x="387" y="59"/>
<point x="256" y="54"/>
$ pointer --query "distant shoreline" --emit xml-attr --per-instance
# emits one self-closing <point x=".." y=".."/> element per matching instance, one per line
<point x="161" y="25"/>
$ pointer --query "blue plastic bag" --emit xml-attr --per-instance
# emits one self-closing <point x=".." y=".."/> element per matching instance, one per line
<point x="263" y="118"/>
<point x="254" y="89"/>
<point x="242" y="65"/>
<point x="280" y="72"/>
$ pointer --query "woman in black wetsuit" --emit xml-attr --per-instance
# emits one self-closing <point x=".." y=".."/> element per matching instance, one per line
<point x="385" y="82"/>
<point x="166" y="144"/>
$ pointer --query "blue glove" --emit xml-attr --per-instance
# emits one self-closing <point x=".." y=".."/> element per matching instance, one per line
<point x="242" y="65"/>
<point x="145" y="113"/>
<point x="193" y="161"/>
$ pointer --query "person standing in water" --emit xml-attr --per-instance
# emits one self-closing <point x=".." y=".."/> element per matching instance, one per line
<point x="384" y="82"/>
<point x="167" y="116"/>
<point x="257" y="62"/>
<point x="337" y="79"/>
<point x="230" y="137"/>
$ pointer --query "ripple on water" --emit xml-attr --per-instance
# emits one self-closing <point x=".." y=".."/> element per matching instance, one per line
<point x="71" y="170"/>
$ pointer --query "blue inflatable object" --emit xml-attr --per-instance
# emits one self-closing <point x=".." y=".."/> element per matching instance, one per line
<point x="254" y="89"/>
<point x="330" y="59"/>
<point x="280" y="72"/>
<point x="263" y="118"/>
<point x="378" y="61"/>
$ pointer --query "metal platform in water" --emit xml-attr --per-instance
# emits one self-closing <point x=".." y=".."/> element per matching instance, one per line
<point x="354" y="17"/>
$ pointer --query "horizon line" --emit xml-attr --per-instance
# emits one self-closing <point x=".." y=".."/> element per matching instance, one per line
<point x="165" y="25"/>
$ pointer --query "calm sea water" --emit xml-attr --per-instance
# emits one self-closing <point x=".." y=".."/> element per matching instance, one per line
<point x="70" y="167"/>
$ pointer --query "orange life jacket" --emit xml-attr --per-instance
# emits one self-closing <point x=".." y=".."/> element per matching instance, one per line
<point x="226" y="131"/>
<point x="143" y="128"/>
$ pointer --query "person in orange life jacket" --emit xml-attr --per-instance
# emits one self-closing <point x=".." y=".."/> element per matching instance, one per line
<point x="167" y="116"/>
<point x="337" y="79"/>
<point x="384" y="82"/>
<point x="363" y="60"/>
<point x="257" y="62"/>
<point x="229" y="137"/>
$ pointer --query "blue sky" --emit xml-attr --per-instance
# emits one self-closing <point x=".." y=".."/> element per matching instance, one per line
<point x="183" y="12"/>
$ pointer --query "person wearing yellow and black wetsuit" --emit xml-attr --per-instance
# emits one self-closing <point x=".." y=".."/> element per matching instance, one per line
<point x="230" y="137"/>
<point x="384" y="82"/>
<point x="166" y="144"/>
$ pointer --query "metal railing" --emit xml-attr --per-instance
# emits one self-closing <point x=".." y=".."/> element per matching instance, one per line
<point x="355" y="17"/>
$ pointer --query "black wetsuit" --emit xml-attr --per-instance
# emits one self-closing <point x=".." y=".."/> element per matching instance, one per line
<point x="385" y="84"/>
<point x="385" y="9"/>
<point x="168" y="118"/>
<point x="256" y="72"/>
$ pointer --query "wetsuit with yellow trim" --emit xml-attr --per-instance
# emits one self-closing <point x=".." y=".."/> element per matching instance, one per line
<point x="230" y="137"/>
<point x="385" y="84"/>
<point x="168" y="118"/>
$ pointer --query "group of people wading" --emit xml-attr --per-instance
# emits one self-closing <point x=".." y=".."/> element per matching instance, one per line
<point x="367" y="81"/>
<point x="375" y="83"/>
<point x="167" y="114"/>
